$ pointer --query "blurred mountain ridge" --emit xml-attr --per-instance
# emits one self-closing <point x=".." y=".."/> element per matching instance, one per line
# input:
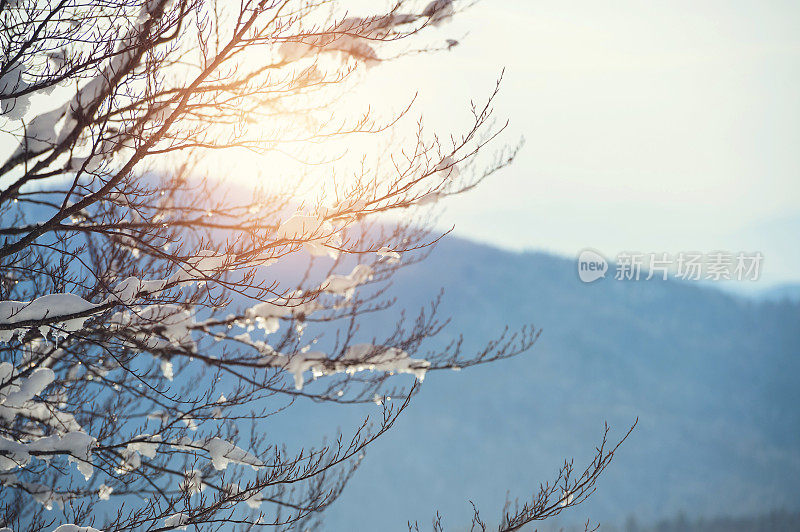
<point x="710" y="376"/>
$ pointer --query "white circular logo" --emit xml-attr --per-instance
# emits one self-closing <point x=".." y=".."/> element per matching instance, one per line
<point x="591" y="266"/>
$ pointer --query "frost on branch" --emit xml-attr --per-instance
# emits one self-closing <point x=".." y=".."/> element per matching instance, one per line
<point x="439" y="11"/>
<point x="11" y="81"/>
<point x="75" y="528"/>
<point x="353" y="36"/>
<point x="153" y="318"/>
<point x="360" y="357"/>
<point x="157" y="326"/>
<point x="318" y="236"/>
<point x="146" y="445"/>
<point x="177" y="521"/>
<point x="104" y="492"/>
<point x="345" y="285"/>
<point x="40" y="309"/>
<point x="220" y="451"/>
<point x="193" y="482"/>
<point x="205" y="264"/>
<point x="17" y="398"/>
<point x="129" y="289"/>
<point x="76" y="445"/>
<point x="223" y="453"/>
<point x="387" y="253"/>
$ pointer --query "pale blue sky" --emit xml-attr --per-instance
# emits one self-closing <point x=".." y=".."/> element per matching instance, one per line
<point x="650" y="126"/>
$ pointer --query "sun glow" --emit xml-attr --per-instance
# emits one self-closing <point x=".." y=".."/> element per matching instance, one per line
<point x="316" y="128"/>
<point x="270" y="157"/>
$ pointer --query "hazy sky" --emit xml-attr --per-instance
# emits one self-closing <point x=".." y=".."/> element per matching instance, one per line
<point x="650" y="126"/>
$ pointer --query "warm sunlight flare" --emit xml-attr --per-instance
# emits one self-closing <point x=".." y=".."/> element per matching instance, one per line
<point x="232" y="296"/>
<point x="209" y="192"/>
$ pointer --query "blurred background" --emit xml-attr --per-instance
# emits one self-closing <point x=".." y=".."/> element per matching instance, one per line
<point x="648" y="126"/>
<point x="658" y="127"/>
